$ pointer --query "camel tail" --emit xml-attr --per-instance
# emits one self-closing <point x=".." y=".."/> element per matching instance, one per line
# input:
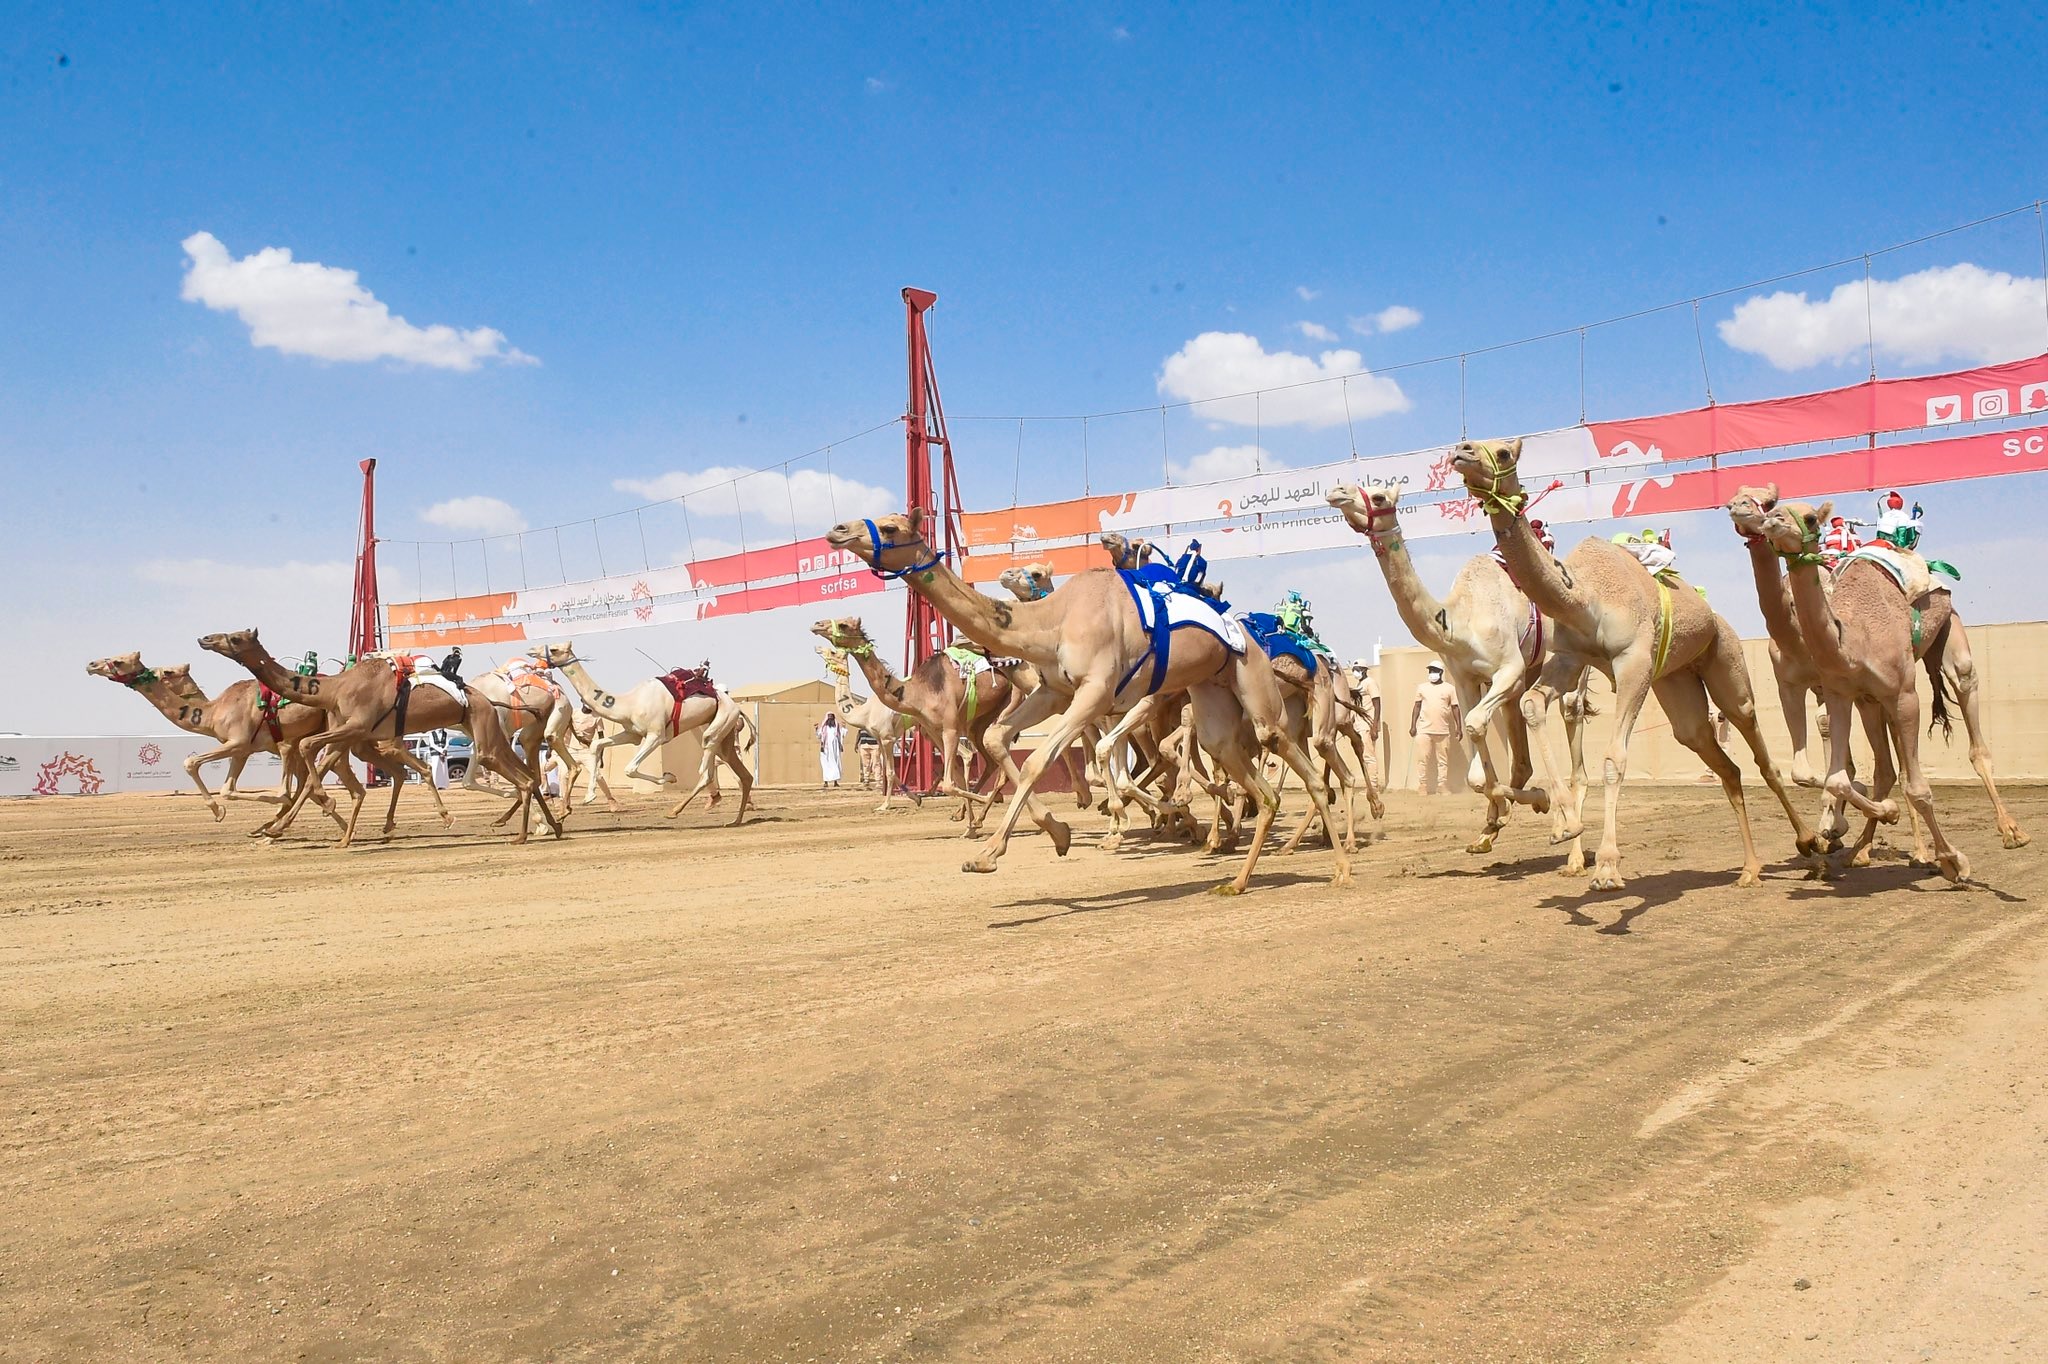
<point x="1942" y="719"/>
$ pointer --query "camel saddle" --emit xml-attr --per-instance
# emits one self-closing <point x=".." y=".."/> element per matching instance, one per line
<point x="685" y="684"/>
<point x="268" y="704"/>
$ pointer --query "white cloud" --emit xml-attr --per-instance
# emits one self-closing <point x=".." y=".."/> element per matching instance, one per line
<point x="1224" y="461"/>
<point x="1397" y="318"/>
<point x="770" y="498"/>
<point x="483" y="515"/>
<point x="1306" y="294"/>
<point x="1315" y="331"/>
<point x="1120" y="34"/>
<point x="305" y="308"/>
<point x="1962" y="311"/>
<point x="212" y="575"/>
<point x="875" y="85"/>
<point x="1224" y="363"/>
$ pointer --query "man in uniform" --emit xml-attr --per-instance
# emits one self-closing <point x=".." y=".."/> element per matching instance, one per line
<point x="1431" y="724"/>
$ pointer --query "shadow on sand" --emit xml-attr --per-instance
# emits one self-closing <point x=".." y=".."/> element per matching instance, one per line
<point x="1060" y="907"/>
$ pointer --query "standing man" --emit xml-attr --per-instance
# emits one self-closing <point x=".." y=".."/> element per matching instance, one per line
<point x="1432" y="722"/>
<point x="1365" y="688"/>
<point x="437" y="744"/>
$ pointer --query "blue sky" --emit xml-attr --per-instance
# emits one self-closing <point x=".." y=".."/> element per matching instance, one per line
<point x="697" y="221"/>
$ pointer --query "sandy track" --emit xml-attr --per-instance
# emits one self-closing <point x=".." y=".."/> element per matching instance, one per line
<point x="801" y="1090"/>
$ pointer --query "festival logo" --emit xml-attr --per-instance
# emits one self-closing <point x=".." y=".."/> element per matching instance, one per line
<point x="1629" y="450"/>
<point x="73" y="765"/>
<point x="1440" y="474"/>
<point x="1459" y="510"/>
<point x="643" y="594"/>
<point x="150" y="754"/>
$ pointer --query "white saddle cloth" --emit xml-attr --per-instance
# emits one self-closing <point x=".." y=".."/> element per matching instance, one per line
<point x="1186" y="609"/>
<point x="1906" y="568"/>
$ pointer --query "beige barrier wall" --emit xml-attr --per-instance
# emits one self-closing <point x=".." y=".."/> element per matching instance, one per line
<point x="785" y="716"/>
<point x="2012" y="670"/>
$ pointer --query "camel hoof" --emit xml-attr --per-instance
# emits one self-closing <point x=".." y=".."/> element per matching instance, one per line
<point x="1809" y="846"/>
<point x="1751" y="876"/>
<point x="1954" y="867"/>
<point x="2015" y="837"/>
<point x="1888" y="812"/>
<point x="1342" y="878"/>
<point x="984" y="864"/>
<point x="1567" y="835"/>
<point x="1379" y="810"/>
<point x="1112" y="843"/>
<point x="447" y="820"/>
<point x="1861" y="857"/>
<point x="1540" y="802"/>
<point x="1606" y="880"/>
<point x="220" y="812"/>
<point x="1480" y="845"/>
<point x="1228" y="888"/>
<point x="1062" y="837"/>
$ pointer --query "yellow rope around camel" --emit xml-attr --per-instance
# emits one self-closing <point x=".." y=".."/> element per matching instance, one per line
<point x="1665" y="629"/>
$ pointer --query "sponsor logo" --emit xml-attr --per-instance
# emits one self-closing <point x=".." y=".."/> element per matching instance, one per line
<point x="1990" y="402"/>
<point x="1945" y="409"/>
<point x="9" y="763"/>
<point x="2035" y="444"/>
<point x="149" y="755"/>
<point x="1628" y="449"/>
<point x="2034" y="398"/>
<point x="76" y="766"/>
<point x="1440" y="474"/>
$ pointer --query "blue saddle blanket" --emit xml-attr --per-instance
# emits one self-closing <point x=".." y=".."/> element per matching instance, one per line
<point x="1277" y="639"/>
<point x="1164" y="605"/>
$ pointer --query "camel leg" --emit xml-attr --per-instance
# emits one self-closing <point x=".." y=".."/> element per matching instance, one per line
<point x="1479" y="709"/>
<point x="1001" y="737"/>
<point x="648" y="743"/>
<point x="1559" y="681"/>
<point x="1088" y="704"/>
<point x="1684" y="700"/>
<point x="1904" y="716"/>
<point x="1792" y="697"/>
<point x="317" y="754"/>
<point x="1883" y="777"/>
<point x="199" y="760"/>
<point x="1727" y="681"/>
<point x="1631" y="689"/>
<point x="1956" y="659"/>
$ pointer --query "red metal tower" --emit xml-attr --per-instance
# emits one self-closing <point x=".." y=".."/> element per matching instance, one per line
<point x="365" y="629"/>
<point x="926" y="632"/>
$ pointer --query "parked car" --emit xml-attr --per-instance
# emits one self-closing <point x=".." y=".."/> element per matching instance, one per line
<point x="421" y="747"/>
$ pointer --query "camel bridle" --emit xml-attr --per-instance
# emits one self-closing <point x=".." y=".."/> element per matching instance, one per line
<point x="877" y="545"/>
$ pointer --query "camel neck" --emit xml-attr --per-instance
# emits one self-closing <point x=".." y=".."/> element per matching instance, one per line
<point x="1026" y="629"/>
<point x="187" y="709"/>
<point x="599" y="700"/>
<point x="1536" y="571"/>
<point x="1773" y="593"/>
<point x="1820" y="630"/>
<point x="1419" y="609"/>
<point x="879" y="675"/>
<point x="308" y="690"/>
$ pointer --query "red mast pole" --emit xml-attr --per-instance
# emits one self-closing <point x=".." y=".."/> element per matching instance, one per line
<point x="365" y="629"/>
<point x="926" y="632"/>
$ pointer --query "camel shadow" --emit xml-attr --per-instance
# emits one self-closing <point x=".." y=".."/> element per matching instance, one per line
<point x="1911" y="877"/>
<point x="1652" y="890"/>
<point x="1062" y="907"/>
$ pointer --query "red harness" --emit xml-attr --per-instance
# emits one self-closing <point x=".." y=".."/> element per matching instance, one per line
<point x="685" y="684"/>
<point x="268" y="703"/>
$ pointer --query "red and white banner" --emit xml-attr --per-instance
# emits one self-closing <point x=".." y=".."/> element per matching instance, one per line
<point x="1282" y="511"/>
<point x="1603" y="469"/>
<point x="807" y="572"/>
<point x="101" y="765"/>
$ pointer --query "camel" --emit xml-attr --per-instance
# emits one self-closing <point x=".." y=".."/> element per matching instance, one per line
<point x="242" y="718"/>
<point x="1862" y="638"/>
<point x="1949" y="646"/>
<point x="537" y="716"/>
<point x="362" y="704"/>
<point x="649" y="713"/>
<point x="1492" y="643"/>
<point x="867" y="715"/>
<point x="1790" y="664"/>
<point x="940" y="701"/>
<point x="1092" y="645"/>
<point x="1646" y="634"/>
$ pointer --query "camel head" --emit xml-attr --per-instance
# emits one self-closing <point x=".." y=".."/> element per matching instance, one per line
<point x="1028" y="582"/>
<point x="835" y="659"/>
<point x="117" y="667"/>
<point x="240" y="645"/>
<point x="1488" y="466"/>
<point x="1794" y="528"/>
<point x="846" y="634"/>
<point x="553" y="655"/>
<point x="896" y="544"/>
<point x="1366" y="506"/>
<point x="1126" y="551"/>
<point x="1747" y="508"/>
